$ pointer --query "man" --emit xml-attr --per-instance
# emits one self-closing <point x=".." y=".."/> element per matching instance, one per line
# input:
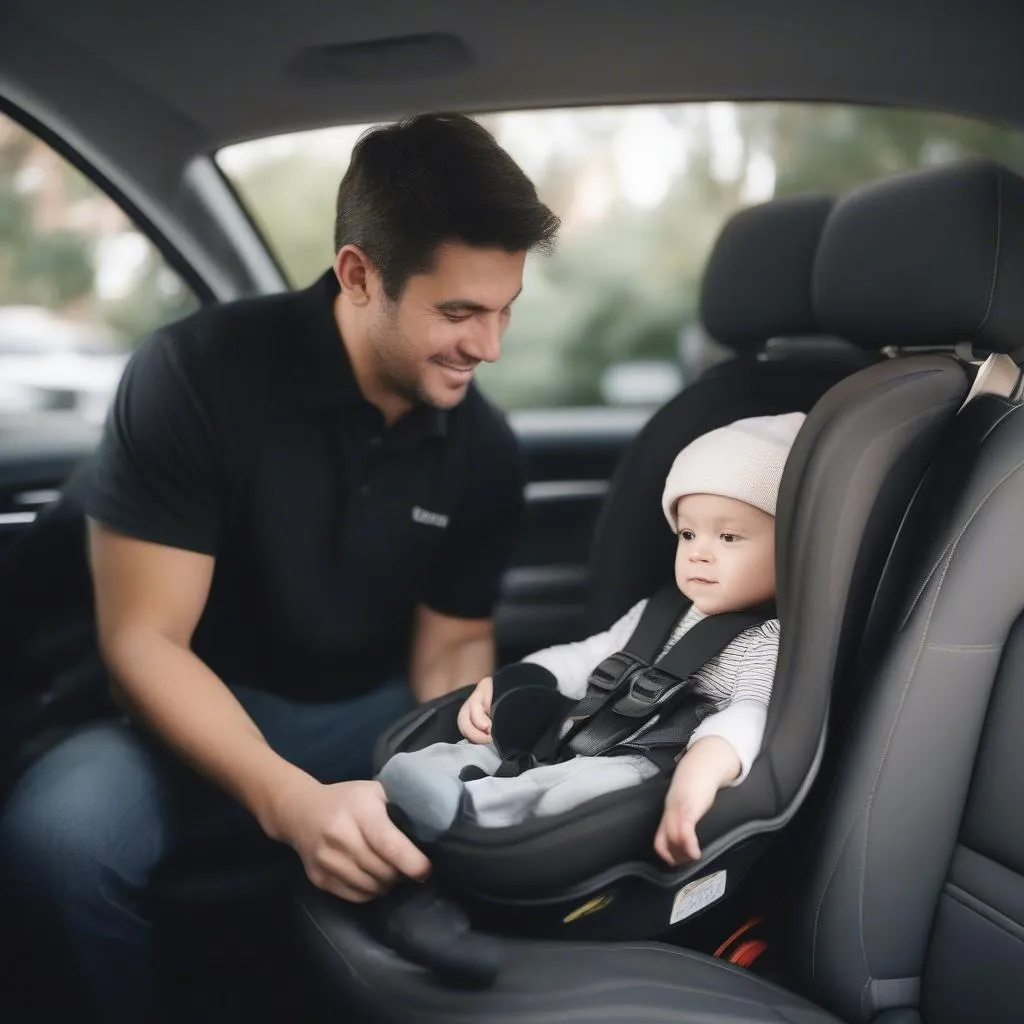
<point x="301" y="511"/>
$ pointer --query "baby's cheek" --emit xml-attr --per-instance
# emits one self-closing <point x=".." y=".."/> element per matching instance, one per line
<point x="679" y="566"/>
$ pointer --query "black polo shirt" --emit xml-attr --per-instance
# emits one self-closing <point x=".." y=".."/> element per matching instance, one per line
<point x="241" y="433"/>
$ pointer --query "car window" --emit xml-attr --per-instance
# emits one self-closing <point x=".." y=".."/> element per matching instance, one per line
<point x="612" y="317"/>
<point x="79" y="286"/>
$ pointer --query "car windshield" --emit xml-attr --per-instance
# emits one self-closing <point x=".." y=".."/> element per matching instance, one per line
<point x="612" y="317"/>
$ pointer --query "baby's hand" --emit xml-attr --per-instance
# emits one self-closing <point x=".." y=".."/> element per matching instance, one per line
<point x="707" y="766"/>
<point x="685" y="805"/>
<point x="475" y="713"/>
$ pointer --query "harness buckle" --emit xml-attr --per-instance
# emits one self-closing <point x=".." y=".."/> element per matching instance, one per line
<point x="648" y="689"/>
<point x="610" y="673"/>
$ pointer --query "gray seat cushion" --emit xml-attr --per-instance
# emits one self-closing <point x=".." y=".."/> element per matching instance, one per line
<point x="547" y="982"/>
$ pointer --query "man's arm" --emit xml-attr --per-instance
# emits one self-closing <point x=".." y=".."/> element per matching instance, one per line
<point x="448" y="652"/>
<point x="149" y="598"/>
<point x="148" y="601"/>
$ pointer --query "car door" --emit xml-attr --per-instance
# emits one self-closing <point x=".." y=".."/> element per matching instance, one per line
<point x="37" y="452"/>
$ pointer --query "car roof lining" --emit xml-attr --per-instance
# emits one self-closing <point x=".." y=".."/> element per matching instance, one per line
<point x="145" y="93"/>
<point x="226" y="71"/>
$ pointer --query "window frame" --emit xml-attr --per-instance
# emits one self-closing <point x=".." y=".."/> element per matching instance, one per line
<point x="168" y="252"/>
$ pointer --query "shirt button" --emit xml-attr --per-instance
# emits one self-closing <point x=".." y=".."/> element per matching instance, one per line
<point x="375" y="442"/>
<point x="364" y="490"/>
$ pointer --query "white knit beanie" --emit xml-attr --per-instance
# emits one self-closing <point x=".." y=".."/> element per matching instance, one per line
<point x="743" y="460"/>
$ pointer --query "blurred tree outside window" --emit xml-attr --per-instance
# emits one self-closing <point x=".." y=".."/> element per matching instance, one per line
<point x="79" y="285"/>
<point x="612" y="318"/>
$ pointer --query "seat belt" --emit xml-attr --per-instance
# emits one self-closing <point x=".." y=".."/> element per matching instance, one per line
<point x="628" y="694"/>
<point x="647" y="693"/>
<point x="660" y="616"/>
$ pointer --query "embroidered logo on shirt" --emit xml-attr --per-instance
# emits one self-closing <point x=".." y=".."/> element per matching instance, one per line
<point x="425" y="518"/>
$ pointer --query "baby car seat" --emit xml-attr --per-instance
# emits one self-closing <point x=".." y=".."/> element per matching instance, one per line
<point x="591" y="872"/>
<point x="895" y="927"/>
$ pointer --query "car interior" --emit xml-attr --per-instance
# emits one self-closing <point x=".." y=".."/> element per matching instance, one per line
<point x="874" y="442"/>
<point x="874" y="857"/>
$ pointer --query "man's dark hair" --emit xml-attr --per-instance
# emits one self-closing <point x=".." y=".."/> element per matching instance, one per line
<point x="430" y="179"/>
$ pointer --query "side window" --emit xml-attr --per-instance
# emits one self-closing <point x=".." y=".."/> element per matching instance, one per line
<point x="79" y="286"/>
<point x="613" y="318"/>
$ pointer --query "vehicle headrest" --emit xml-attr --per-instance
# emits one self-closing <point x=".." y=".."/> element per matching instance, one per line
<point x="757" y="283"/>
<point x="931" y="257"/>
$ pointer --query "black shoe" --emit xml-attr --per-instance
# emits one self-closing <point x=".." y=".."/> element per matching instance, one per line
<point x="427" y="929"/>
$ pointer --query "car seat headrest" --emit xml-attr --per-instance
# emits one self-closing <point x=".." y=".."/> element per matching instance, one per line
<point x="757" y="283"/>
<point x="931" y="258"/>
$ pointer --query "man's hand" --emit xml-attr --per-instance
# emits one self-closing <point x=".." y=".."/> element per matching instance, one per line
<point x="707" y="766"/>
<point x="475" y="713"/>
<point x="348" y="844"/>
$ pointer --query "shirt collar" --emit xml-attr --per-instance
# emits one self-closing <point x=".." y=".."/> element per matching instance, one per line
<point x="326" y="377"/>
<point x="693" y="615"/>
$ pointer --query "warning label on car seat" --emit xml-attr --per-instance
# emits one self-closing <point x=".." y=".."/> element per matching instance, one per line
<point x="697" y="895"/>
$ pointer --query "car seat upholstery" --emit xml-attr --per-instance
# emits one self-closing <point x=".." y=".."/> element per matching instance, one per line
<point x="756" y="293"/>
<point x="757" y="286"/>
<point x="632" y="543"/>
<point x="756" y="289"/>
<point x="917" y="899"/>
<point x="915" y="908"/>
<point x="857" y="460"/>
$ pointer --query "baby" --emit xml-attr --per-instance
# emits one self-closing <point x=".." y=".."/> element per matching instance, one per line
<point x="719" y="498"/>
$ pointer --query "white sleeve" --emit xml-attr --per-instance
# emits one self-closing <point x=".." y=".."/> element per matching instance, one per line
<point x="572" y="664"/>
<point x="755" y="676"/>
<point x="741" y="725"/>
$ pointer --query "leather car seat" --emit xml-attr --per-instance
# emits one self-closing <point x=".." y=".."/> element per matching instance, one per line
<point x="756" y="301"/>
<point x="915" y="907"/>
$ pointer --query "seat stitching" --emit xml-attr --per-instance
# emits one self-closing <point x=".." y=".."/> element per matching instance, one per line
<point x="662" y="949"/>
<point x="865" y="808"/>
<point x="917" y="659"/>
<point x="828" y="885"/>
<point x="863" y="887"/>
<point x="864" y="990"/>
<point x="951" y="887"/>
<point x="974" y="910"/>
<point x="965" y="648"/>
<point x="721" y="965"/>
<point x="881" y="763"/>
<point x="989" y="859"/>
<point x="995" y="264"/>
<point x="924" y="586"/>
<point x="1009" y="410"/>
<point x="330" y="942"/>
<point x="945" y="556"/>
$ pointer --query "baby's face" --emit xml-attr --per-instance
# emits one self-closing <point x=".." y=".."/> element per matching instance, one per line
<point x="725" y="558"/>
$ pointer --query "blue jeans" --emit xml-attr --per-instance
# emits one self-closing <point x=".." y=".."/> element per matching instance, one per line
<point x="88" y="823"/>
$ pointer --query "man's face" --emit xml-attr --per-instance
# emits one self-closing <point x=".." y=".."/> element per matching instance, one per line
<point x="725" y="558"/>
<point x="426" y="345"/>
